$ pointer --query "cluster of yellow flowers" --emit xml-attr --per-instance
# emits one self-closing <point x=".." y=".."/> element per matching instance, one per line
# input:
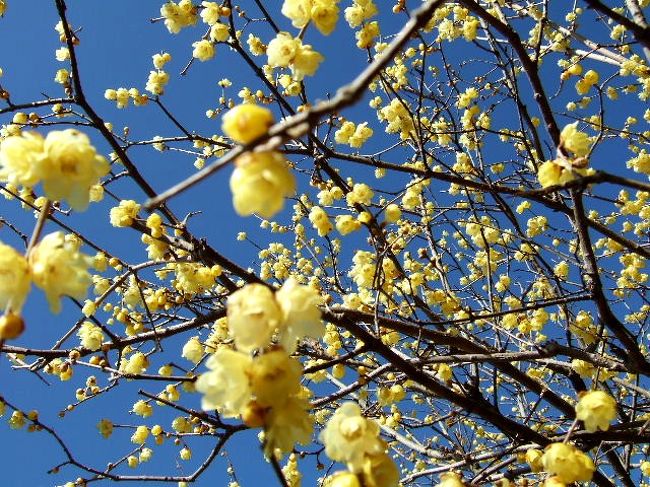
<point x="179" y="15"/>
<point x="64" y="161"/>
<point x="54" y="265"/>
<point x="351" y="438"/>
<point x="596" y="409"/>
<point x="353" y="135"/>
<point x="261" y="180"/>
<point x="286" y="51"/>
<point x="265" y="389"/>
<point x="322" y="13"/>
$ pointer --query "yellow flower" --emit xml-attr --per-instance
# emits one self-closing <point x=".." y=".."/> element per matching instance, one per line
<point x="324" y="15"/>
<point x="91" y="336"/>
<point x="347" y="224"/>
<point x="14" y="279"/>
<point x="596" y="409"/>
<point x="105" y="428"/>
<point x="534" y="459"/>
<point x="567" y="462"/>
<point x="380" y="471"/>
<point x="349" y="437"/>
<point x="274" y="376"/>
<point x="301" y="316"/>
<point x="71" y="167"/>
<point x="392" y="213"/>
<point x="203" y="50"/>
<point x="298" y="11"/>
<point x="143" y="408"/>
<point x="253" y="316"/>
<point x="306" y="62"/>
<point x="193" y="350"/>
<point x="11" y="326"/>
<point x="123" y="214"/>
<point x="178" y="15"/>
<point x="20" y="159"/>
<point x="140" y="435"/>
<point x="288" y="424"/>
<point x="225" y="386"/>
<point x="282" y="50"/>
<point x="451" y="479"/>
<point x="245" y="123"/>
<point x="343" y="479"/>
<point x="210" y="13"/>
<point x="59" y="269"/>
<point x="320" y="221"/>
<point x="575" y="141"/>
<point x="551" y="173"/>
<point x="260" y="183"/>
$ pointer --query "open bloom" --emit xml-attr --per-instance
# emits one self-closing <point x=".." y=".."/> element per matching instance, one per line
<point x="299" y="305"/>
<point x="596" y="409"/>
<point x="260" y="183"/>
<point x="14" y="278"/>
<point x="226" y="385"/>
<point x="253" y="316"/>
<point x="59" y="269"/>
<point x="567" y="462"/>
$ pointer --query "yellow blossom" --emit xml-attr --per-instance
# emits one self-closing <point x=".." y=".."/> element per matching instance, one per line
<point x="11" y="326"/>
<point x="343" y="479"/>
<point x="59" y="269"/>
<point x="596" y="409"/>
<point x="575" y="141"/>
<point x="567" y="462"/>
<point x="349" y="437"/>
<point x="71" y="166"/>
<point x="551" y="173"/>
<point x="14" y="279"/>
<point x="253" y="316"/>
<point x="260" y="183"/>
<point x="225" y="386"/>
<point x="140" y="435"/>
<point x="105" y="428"/>
<point x="288" y="424"/>
<point x="319" y="219"/>
<point x="300" y="312"/>
<point x="450" y="479"/>
<point x="124" y="214"/>
<point x="203" y="50"/>
<point x="21" y="159"/>
<point x="245" y="123"/>
<point x="91" y="336"/>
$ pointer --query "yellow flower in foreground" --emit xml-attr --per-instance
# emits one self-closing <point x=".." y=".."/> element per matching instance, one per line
<point x="260" y="183"/>
<point x="568" y="463"/>
<point x="20" y="159"/>
<point x="575" y="141"/>
<point x="325" y="14"/>
<point x="274" y="376"/>
<point x="298" y="11"/>
<point x="306" y="62"/>
<point x="225" y="386"/>
<point x="59" y="269"/>
<point x="71" y="167"/>
<point x="349" y="437"/>
<point x="203" y="50"/>
<point x="288" y="424"/>
<point x="14" y="279"/>
<point x="253" y="316"/>
<point x="245" y="123"/>
<point x="282" y="49"/>
<point x="596" y="409"/>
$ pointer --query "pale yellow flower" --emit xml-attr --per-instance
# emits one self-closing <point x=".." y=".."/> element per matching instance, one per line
<point x="274" y="376"/>
<point x="245" y="123"/>
<point x="124" y="214"/>
<point x="551" y="173"/>
<point x="193" y="350"/>
<point x="302" y="317"/>
<point x="575" y="141"/>
<point x="282" y="50"/>
<point x="71" y="166"/>
<point x="253" y="316"/>
<point x="288" y="424"/>
<point x="380" y="471"/>
<point x="324" y="14"/>
<point x="306" y="62"/>
<point x="203" y="50"/>
<point x="349" y="437"/>
<point x="450" y="479"/>
<point x="20" y="159"/>
<point x="260" y="183"/>
<point x="567" y="462"/>
<point x="59" y="269"/>
<point x="91" y="336"/>
<point x="596" y="409"/>
<point x="298" y="11"/>
<point x="14" y="279"/>
<point x="225" y="386"/>
<point x="343" y="479"/>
